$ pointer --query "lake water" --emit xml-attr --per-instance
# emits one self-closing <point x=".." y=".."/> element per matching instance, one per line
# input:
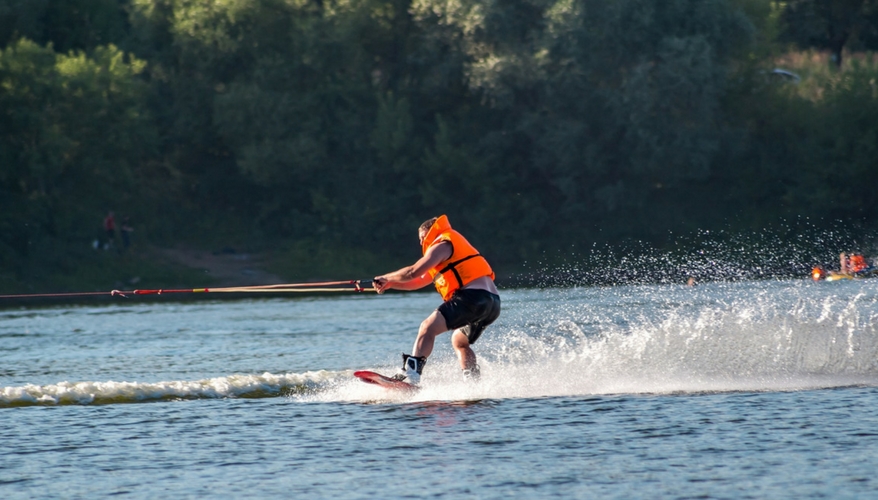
<point x="725" y="390"/>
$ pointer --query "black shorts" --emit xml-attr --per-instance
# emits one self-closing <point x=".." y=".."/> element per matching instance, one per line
<point x="471" y="311"/>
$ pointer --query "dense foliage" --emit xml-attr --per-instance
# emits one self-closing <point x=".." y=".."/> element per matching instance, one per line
<point x="832" y="24"/>
<point x="334" y="127"/>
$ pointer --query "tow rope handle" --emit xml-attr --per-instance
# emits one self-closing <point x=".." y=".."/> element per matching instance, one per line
<point x="363" y="285"/>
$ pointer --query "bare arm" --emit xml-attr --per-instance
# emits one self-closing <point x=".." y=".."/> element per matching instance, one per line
<point x="415" y="276"/>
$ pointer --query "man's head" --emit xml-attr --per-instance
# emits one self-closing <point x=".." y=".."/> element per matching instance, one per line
<point x="422" y="231"/>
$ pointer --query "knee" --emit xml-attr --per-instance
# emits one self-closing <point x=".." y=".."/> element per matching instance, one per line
<point x="432" y="326"/>
<point x="459" y="341"/>
<point x="425" y="328"/>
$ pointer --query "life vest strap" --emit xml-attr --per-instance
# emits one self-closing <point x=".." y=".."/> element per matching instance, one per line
<point x="451" y="267"/>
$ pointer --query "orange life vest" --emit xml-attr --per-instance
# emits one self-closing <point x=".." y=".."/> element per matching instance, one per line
<point x="857" y="263"/>
<point x="463" y="266"/>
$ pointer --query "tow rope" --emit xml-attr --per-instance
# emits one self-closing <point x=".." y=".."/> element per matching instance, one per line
<point x="364" y="285"/>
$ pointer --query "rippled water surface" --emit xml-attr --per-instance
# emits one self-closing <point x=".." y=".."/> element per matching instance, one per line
<point x="743" y="390"/>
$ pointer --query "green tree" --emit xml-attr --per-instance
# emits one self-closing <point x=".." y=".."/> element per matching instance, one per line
<point x="74" y="129"/>
<point x="630" y="105"/>
<point x="66" y="24"/>
<point x="21" y="18"/>
<point x="833" y="176"/>
<point x="831" y="24"/>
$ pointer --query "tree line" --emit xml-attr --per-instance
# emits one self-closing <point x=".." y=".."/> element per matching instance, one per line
<point x="329" y="129"/>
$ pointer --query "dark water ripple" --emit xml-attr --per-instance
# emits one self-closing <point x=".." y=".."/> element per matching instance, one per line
<point x="808" y="444"/>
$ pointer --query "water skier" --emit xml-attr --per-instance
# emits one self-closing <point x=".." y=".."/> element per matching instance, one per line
<point x="853" y="264"/>
<point x="466" y="282"/>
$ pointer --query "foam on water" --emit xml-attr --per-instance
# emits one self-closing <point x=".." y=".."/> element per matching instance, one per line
<point x="768" y="338"/>
<point x="668" y="339"/>
<point x="239" y="385"/>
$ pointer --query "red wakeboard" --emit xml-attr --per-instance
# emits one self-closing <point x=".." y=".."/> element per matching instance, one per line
<point x="386" y="382"/>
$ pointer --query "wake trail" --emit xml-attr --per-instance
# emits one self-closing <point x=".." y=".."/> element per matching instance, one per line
<point x="110" y="392"/>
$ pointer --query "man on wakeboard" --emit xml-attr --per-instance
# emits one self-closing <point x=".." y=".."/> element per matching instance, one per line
<point x="466" y="282"/>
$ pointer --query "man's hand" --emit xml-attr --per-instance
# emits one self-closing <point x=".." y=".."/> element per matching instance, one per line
<point x="381" y="283"/>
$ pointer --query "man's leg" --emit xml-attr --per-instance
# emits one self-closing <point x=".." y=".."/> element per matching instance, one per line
<point x="412" y="365"/>
<point x="465" y="355"/>
<point x="431" y="327"/>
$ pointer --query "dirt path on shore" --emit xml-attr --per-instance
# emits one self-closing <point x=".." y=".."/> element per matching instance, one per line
<point x="228" y="268"/>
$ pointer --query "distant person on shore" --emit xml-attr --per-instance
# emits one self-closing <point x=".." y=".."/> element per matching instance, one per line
<point x="110" y="229"/>
<point x="125" y="231"/>
<point x="466" y="282"/>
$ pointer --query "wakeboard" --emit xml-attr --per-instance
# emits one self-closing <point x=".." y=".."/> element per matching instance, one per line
<point x="386" y="382"/>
